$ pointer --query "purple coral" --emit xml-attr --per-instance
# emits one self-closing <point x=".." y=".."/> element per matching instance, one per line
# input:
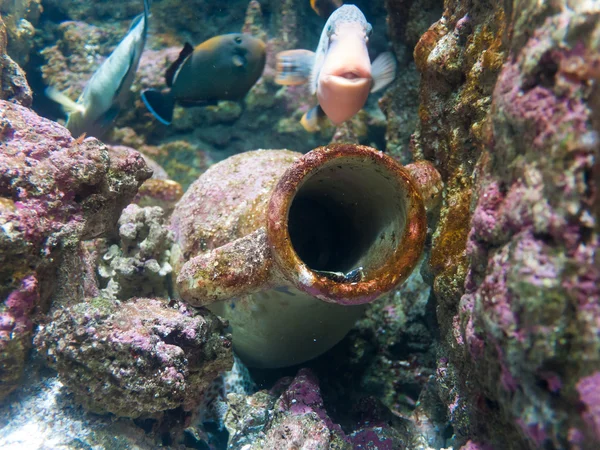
<point x="54" y="192"/>
<point x="533" y="275"/>
<point x="589" y="393"/>
<point x="137" y="358"/>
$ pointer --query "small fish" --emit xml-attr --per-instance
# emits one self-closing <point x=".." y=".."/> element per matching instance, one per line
<point x="339" y="72"/>
<point x="354" y="276"/>
<point x="107" y="91"/>
<point x="222" y="68"/>
<point x="324" y="8"/>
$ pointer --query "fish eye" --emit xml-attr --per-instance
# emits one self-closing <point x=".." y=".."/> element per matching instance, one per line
<point x="369" y="30"/>
<point x="238" y="40"/>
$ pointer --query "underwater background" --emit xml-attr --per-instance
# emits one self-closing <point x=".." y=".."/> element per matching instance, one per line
<point x="447" y="292"/>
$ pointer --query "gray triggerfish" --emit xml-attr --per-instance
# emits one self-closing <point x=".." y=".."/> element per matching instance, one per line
<point x="340" y="72"/>
<point x="222" y="68"/>
<point x="107" y="91"/>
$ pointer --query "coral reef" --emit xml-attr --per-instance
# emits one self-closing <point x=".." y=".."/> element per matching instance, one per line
<point x="54" y="192"/>
<point x="13" y="85"/>
<point x="530" y="315"/>
<point x="20" y="18"/>
<point x="159" y="190"/>
<point x="293" y="415"/>
<point x="492" y="343"/>
<point x="136" y="358"/>
<point x="139" y="264"/>
<point x="407" y="21"/>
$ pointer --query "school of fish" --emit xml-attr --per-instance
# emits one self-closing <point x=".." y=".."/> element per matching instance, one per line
<point x="339" y="73"/>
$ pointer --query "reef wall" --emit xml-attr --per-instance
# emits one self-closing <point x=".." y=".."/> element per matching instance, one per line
<point x="509" y="115"/>
<point x="54" y="192"/>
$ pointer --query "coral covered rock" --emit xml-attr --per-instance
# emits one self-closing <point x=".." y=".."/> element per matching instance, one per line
<point x="298" y="419"/>
<point x="54" y="192"/>
<point x="159" y="190"/>
<point x="533" y="277"/>
<point x="407" y="21"/>
<point x="524" y="340"/>
<point x="459" y="58"/>
<point x="13" y="85"/>
<point x="20" y="17"/>
<point x="139" y="264"/>
<point x="183" y="161"/>
<point x="136" y="358"/>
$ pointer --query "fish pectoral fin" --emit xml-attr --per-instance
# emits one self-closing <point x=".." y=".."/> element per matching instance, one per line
<point x="313" y="119"/>
<point x="294" y="67"/>
<point x="383" y="71"/>
<point x="238" y="60"/>
<point x="185" y="52"/>
<point x="68" y="105"/>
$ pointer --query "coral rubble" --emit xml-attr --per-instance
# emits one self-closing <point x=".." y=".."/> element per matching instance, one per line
<point x="292" y="415"/>
<point x="54" y="192"/>
<point x="139" y="264"/>
<point x="136" y="358"/>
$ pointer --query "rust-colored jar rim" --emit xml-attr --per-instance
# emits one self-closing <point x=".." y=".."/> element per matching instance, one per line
<point x="397" y="267"/>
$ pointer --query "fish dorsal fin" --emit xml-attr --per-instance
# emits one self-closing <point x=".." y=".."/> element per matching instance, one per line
<point x="136" y="20"/>
<point x="183" y="55"/>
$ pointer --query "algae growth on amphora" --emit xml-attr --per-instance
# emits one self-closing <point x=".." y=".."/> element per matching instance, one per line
<point x="290" y="248"/>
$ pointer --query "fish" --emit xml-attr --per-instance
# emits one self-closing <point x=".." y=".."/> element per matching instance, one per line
<point x="224" y="67"/>
<point x="324" y="8"/>
<point x="354" y="276"/>
<point x="107" y="92"/>
<point x="339" y="72"/>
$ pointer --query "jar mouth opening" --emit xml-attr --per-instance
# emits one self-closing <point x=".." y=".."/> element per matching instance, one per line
<point x="346" y="223"/>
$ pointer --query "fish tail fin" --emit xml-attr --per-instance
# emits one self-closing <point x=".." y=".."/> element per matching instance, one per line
<point x="160" y="105"/>
<point x="68" y="105"/>
<point x="294" y="67"/>
<point x="313" y="119"/>
<point x="383" y="71"/>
